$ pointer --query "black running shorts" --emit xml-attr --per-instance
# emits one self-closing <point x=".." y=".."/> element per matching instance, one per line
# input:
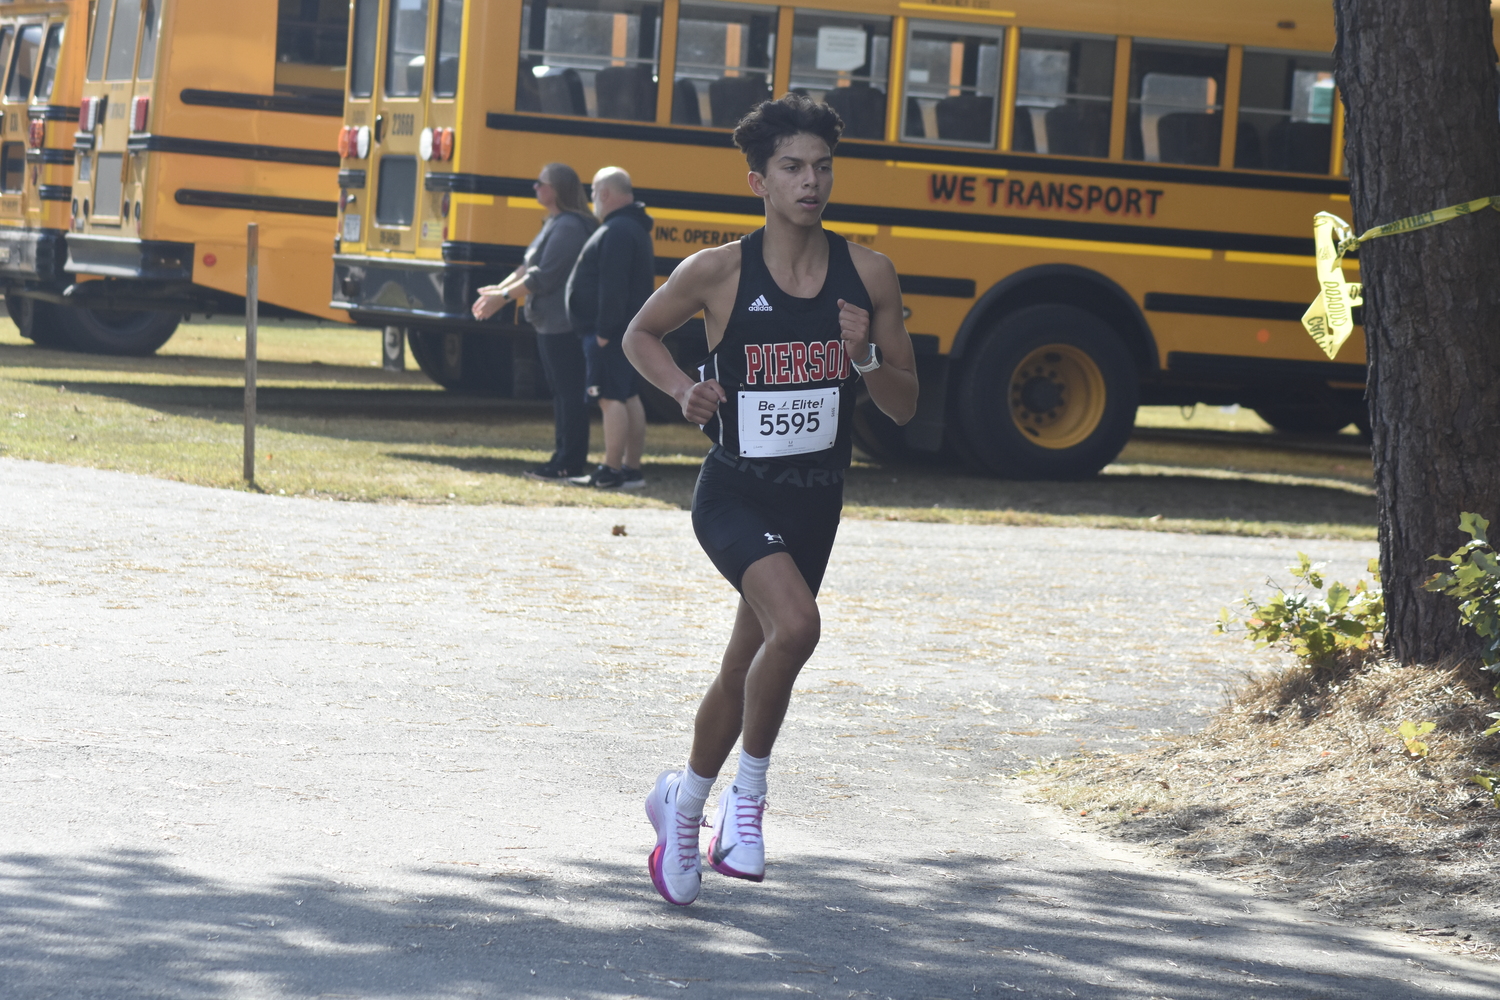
<point x="747" y="509"/>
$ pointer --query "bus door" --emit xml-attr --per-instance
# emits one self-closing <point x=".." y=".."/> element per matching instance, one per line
<point x="20" y="45"/>
<point x="116" y="98"/>
<point x="403" y="86"/>
<point x="48" y="185"/>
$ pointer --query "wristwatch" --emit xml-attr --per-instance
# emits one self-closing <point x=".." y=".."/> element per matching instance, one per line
<point x="870" y="363"/>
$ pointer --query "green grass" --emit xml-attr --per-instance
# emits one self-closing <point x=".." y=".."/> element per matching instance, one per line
<point x="334" y="424"/>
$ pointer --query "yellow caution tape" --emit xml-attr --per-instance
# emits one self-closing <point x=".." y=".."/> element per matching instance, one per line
<point x="1330" y="319"/>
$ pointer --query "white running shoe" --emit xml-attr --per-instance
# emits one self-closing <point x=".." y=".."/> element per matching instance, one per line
<point x="736" y="848"/>
<point x="674" y="864"/>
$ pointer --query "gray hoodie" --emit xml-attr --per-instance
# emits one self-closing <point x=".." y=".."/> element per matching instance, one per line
<point x="549" y="260"/>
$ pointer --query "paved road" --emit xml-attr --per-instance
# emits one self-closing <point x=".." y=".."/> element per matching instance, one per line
<point x="261" y="747"/>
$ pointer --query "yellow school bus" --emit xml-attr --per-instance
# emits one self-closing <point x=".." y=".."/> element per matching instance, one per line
<point x="198" y="117"/>
<point x="1091" y="205"/>
<point x="41" y="72"/>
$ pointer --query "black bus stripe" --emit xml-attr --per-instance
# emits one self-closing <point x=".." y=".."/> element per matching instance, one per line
<point x="1030" y="163"/>
<point x="285" y="103"/>
<point x="232" y="150"/>
<point x="257" y="203"/>
<point x="53" y="113"/>
<point x="1213" y="305"/>
<point x="1102" y="232"/>
<point x="509" y="255"/>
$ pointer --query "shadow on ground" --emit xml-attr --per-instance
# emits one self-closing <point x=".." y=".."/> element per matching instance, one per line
<point x="129" y="924"/>
<point x="403" y="416"/>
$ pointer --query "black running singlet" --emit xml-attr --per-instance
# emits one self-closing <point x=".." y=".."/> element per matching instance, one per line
<point x="782" y="364"/>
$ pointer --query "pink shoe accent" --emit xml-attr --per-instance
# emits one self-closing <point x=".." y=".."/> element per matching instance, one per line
<point x="723" y="869"/>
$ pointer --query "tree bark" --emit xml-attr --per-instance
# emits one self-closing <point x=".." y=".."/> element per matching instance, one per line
<point x="1419" y="83"/>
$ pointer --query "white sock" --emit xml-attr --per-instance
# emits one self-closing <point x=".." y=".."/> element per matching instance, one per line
<point x="692" y="792"/>
<point x="750" y="779"/>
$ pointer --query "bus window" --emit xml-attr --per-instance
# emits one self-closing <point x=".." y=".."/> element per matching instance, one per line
<point x="1064" y="94"/>
<point x="593" y="58"/>
<point x="12" y="167"/>
<point x="99" y="44"/>
<point x="145" y="64"/>
<point x="952" y="80"/>
<point x="396" y="197"/>
<point x="1286" y="112"/>
<point x="109" y="184"/>
<point x="1176" y="114"/>
<point x="312" y="41"/>
<point x="23" y="70"/>
<point x="121" y="64"/>
<point x="47" y="75"/>
<point x="450" y="28"/>
<point x="406" y="48"/>
<point x="362" y="58"/>
<point x="724" y="59"/>
<point x="7" y="36"/>
<point x="842" y="60"/>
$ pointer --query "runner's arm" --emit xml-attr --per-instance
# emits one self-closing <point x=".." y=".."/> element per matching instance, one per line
<point x="685" y="294"/>
<point x="893" y="386"/>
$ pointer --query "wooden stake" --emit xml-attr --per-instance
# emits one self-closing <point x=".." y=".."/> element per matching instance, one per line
<point x="252" y="322"/>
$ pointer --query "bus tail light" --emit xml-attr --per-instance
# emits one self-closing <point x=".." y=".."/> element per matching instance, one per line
<point x="426" y="144"/>
<point x="37" y="133"/>
<point x="345" y="152"/>
<point x="140" y="110"/>
<point x="88" y="113"/>
<point x="362" y="142"/>
<point x="445" y="139"/>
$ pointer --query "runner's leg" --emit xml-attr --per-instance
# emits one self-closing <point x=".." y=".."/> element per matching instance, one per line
<point x="775" y="632"/>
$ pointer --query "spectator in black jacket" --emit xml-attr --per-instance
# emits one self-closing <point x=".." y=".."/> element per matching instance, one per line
<point x="613" y="278"/>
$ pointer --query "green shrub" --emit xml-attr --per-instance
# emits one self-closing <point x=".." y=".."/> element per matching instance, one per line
<point x="1306" y="621"/>
<point x="1473" y="577"/>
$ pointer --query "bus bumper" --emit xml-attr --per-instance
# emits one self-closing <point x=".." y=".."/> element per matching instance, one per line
<point x="32" y="259"/>
<point x="431" y="294"/>
<point x="122" y="257"/>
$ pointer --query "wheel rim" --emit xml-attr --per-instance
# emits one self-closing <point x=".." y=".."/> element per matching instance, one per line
<point x="1057" y="396"/>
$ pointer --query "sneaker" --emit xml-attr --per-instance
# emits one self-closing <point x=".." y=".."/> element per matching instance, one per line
<point x="632" y="479"/>
<point x="674" y="865"/>
<point x="736" y="848"/>
<point x="603" y="478"/>
<point x="550" y="473"/>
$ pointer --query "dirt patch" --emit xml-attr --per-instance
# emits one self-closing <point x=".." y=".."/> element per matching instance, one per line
<point x="1302" y="788"/>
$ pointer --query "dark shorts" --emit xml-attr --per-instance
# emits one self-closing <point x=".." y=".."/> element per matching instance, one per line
<point x="610" y="373"/>
<point x="747" y="509"/>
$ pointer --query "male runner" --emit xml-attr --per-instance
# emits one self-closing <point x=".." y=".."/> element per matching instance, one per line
<point x="794" y="316"/>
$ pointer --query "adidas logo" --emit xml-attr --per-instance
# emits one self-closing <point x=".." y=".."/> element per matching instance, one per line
<point x="760" y="305"/>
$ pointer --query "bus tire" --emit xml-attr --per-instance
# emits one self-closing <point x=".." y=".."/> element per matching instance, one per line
<point x="135" y="333"/>
<point x="1051" y="393"/>
<point x="464" y="362"/>
<point x="35" y="321"/>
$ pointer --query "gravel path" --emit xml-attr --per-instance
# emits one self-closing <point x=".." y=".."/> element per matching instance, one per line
<point x="263" y="747"/>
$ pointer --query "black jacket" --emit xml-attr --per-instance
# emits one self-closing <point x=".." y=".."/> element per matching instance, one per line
<point x="614" y="275"/>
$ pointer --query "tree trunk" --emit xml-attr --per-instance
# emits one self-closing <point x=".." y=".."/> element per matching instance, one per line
<point x="1419" y="83"/>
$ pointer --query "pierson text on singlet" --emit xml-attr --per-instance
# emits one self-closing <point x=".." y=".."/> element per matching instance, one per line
<point x="795" y="363"/>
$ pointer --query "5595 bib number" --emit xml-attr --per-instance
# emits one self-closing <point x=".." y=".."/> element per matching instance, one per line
<point x="797" y="422"/>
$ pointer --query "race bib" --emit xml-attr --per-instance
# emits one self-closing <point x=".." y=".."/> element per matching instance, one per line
<point x="775" y="424"/>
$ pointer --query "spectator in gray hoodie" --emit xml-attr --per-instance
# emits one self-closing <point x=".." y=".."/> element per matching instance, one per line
<point x="543" y="279"/>
<point x="613" y="278"/>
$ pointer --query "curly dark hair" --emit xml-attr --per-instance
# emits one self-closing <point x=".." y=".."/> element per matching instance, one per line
<point x="770" y="123"/>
